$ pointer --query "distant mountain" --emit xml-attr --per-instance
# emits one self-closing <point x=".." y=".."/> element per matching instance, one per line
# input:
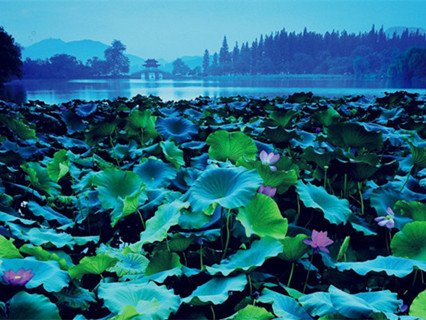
<point x="399" y="30"/>
<point x="82" y="50"/>
<point x="87" y="49"/>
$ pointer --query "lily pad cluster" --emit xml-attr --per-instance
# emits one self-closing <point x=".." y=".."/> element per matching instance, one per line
<point x="300" y="207"/>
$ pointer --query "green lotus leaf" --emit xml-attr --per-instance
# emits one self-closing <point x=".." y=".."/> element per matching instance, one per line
<point x="216" y="290"/>
<point x="413" y="209"/>
<point x="8" y="249"/>
<point x="410" y="242"/>
<point x="294" y="248"/>
<point x="59" y="166"/>
<point x="76" y="298"/>
<point x="417" y="308"/>
<point x="46" y="273"/>
<point x="39" y="178"/>
<point x="157" y="227"/>
<point x="250" y="312"/>
<point x="283" y="118"/>
<point x="279" y="134"/>
<point x="229" y="187"/>
<point x="172" y="153"/>
<point x="343" y="248"/>
<point x="130" y="264"/>
<point x="142" y="125"/>
<point x="284" y="306"/>
<point x="354" y="135"/>
<point x="150" y="300"/>
<point x="231" y="146"/>
<point x="92" y="265"/>
<point x="163" y="261"/>
<point x="327" y="117"/>
<point x="321" y="158"/>
<point x="262" y="217"/>
<point x="99" y="131"/>
<point x="280" y="178"/>
<point x="155" y="173"/>
<point x="44" y="255"/>
<point x="28" y="306"/>
<point x="19" y="127"/>
<point x="359" y="168"/>
<point x="335" y="210"/>
<point x="120" y="190"/>
<point x="249" y="259"/>
<point x="418" y="156"/>
<point x="392" y="266"/>
<point x="49" y="214"/>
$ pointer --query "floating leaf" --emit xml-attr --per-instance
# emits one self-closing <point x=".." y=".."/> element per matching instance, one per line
<point x="130" y="264"/>
<point x="229" y="187"/>
<point x="231" y="146"/>
<point x="149" y="300"/>
<point x="262" y="217"/>
<point x="249" y="259"/>
<point x="155" y="173"/>
<point x="335" y="210"/>
<point x="410" y="242"/>
<point x="215" y="291"/>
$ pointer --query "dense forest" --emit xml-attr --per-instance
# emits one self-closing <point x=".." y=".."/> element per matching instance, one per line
<point x="334" y="52"/>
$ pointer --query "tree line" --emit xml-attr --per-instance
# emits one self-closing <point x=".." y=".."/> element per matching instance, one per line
<point x="309" y="52"/>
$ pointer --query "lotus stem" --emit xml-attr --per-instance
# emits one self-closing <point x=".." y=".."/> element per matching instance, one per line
<point x="361" y="198"/>
<point x="291" y="274"/>
<point x="184" y="258"/>
<point x="406" y="180"/>
<point x="142" y="220"/>
<point x="228" y="234"/>
<point x="298" y="210"/>
<point x="345" y="185"/>
<point x="201" y="258"/>
<point x="213" y="313"/>
<point x="388" y="236"/>
<point x="325" y="177"/>
<point x="307" y="275"/>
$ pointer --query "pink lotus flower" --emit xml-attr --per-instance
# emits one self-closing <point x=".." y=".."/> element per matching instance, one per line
<point x="269" y="159"/>
<point x="19" y="278"/>
<point x="319" y="241"/>
<point x="388" y="220"/>
<point x="267" y="190"/>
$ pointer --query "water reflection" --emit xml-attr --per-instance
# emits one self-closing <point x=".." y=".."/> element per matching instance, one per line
<point x="57" y="91"/>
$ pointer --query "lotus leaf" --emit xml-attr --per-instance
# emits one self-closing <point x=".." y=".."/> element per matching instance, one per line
<point x="149" y="299"/>
<point x="41" y="254"/>
<point x="231" y="146"/>
<point x="25" y="306"/>
<point x="48" y="213"/>
<point x="92" y="265"/>
<point x="59" y="166"/>
<point x="8" y="249"/>
<point x="172" y="153"/>
<point x="250" y="312"/>
<point x="410" y="242"/>
<point x="76" y="298"/>
<point x="178" y="129"/>
<point x="130" y="264"/>
<point x="354" y="135"/>
<point x="262" y="217"/>
<point x="294" y="247"/>
<point x="162" y="261"/>
<point x="155" y="173"/>
<point x="39" y="178"/>
<point x="215" y="291"/>
<point x="413" y="209"/>
<point x="229" y="187"/>
<point x="335" y="210"/>
<point x="417" y="308"/>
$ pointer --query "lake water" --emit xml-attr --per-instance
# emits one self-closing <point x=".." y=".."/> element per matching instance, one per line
<point x="57" y="91"/>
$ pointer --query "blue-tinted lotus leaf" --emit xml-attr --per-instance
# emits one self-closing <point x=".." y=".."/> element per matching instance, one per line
<point x="231" y="146"/>
<point x="46" y="273"/>
<point x="73" y="123"/>
<point x="318" y="304"/>
<point x="178" y="129"/>
<point x="392" y="266"/>
<point x="249" y="259"/>
<point x="216" y="291"/>
<point x="26" y="306"/>
<point x="150" y="300"/>
<point x="410" y="242"/>
<point x="8" y="249"/>
<point x="335" y="210"/>
<point x="294" y="247"/>
<point x="14" y="216"/>
<point x="59" y="166"/>
<point x="130" y="264"/>
<point x="284" y="306"/>
<point x="193" y="145"/>
<point x="76" y="298"/>
<point x="360" y="225"/>
<point x="250" y="312"/>
<point x="155" y="173"/>
<point x="49" y="214"/>
<point x="417" y="308"/>
<point x="45" y="237"/>
<point x="354" y="135"/>
<point x="157" y="227"/>
<point x="262" y="217"/>
<point x="172" y="153"/>
<point x="92" y="265"/>
<point x="85" y="110"/>
<point x="229" y="187"/>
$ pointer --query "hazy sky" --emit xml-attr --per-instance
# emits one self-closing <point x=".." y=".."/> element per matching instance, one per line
<point x="167" y="29"/>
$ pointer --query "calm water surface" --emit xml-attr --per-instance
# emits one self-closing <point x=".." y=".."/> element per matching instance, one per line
<point x="57" y="91"/>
